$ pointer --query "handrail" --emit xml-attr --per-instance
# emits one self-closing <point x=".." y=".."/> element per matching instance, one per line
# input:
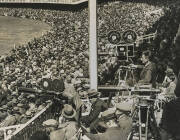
<point x="12" y="126"/>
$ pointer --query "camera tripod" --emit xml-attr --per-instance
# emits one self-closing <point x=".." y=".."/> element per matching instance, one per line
<point x="145" y="125"/>
<point x="123" y="73"/>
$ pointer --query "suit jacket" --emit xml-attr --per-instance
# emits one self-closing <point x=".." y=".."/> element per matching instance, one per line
<point x="97" y="107"/>
<point x="68" y="131"/>
<point x="148" y="74"/>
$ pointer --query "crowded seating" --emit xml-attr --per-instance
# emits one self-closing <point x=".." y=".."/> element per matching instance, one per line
<point x="63" y="53"/>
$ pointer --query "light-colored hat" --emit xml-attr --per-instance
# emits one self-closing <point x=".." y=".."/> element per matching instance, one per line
<point x="31" y="96"/>
<point x="77" y="82"/>
<point x="50" y="123"/>
<point x="87" y="86"/>
<point x="14" y="93"/>
<point x="20" y="105"/>
<point x="62" y="72"/>
<point x="15" y="108"/>
<point x="93" y="92"/>
<point x="28" y="113"/>
<point x="68" y="111"/>
<point x="108" y="112"/>
<point x="124" y="106"/>
<point x="4" y="106"/>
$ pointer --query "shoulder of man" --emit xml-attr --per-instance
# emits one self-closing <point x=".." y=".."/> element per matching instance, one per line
<point x="102" y="103"/>
<point x="57" y="135"/>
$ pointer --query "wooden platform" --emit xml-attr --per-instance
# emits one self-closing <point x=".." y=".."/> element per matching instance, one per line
<point x="112" y="88"/>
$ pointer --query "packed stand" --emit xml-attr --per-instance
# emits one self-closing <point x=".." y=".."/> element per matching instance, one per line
<point x="55" y="53"/>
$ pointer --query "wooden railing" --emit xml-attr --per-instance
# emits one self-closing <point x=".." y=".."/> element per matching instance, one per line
<point x="24" y="131"/>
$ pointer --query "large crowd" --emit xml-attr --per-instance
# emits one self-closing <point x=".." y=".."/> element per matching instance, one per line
<point x="63" y="51"/>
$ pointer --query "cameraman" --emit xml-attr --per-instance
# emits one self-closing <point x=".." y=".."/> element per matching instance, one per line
<point x="148" y="73"/>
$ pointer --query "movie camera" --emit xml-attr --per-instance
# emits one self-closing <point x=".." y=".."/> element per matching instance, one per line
<point x="123" y="43"/>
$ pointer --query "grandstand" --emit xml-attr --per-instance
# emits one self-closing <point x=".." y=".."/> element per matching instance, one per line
<point x="65" y="48"/>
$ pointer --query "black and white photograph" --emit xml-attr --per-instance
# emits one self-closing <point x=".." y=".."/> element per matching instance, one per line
<point x="89" y="69"/>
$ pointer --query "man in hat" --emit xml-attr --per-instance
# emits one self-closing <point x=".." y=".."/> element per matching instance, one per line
<point x="68" y="127"/>
<point x="97" y="107"/>
<point x="124" y="124"/>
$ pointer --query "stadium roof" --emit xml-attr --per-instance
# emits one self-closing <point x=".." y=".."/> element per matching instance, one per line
<point x="45" y="1"/>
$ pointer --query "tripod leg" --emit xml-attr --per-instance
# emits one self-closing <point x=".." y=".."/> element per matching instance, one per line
<point x="134" y="114"/>
<point x="132" y="73"/>
<point x="140" y="129"/>
<point x="147" y="120"/>
<point x="119" y="77"/>
<point x="126" y="75"/>
<point x="153" y="126"/>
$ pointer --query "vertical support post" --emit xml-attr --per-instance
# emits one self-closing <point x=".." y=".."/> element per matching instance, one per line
<point x="92" y="44"/>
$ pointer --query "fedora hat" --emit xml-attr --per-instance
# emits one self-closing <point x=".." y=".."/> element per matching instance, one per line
<point x="31" y="96"/>
<point x="15" y="108"/>
<point x="93" y="92"/>
<point x="20" y="105"/>
<point x="50" y="123"/>
<point x="86" y="86"/>
<point x="124" y="106"/>
<point x="5" y="107"/>
<point x="28" y="113"/>
<point x="68" y="111"/>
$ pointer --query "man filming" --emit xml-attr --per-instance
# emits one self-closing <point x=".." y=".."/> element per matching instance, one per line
<point x="148" y="73"/>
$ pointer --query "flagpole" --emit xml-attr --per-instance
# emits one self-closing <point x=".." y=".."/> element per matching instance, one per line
<point x="92" y="44"/>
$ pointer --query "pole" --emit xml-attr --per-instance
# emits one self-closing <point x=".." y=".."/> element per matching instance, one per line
<point x="92" y="44"/>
